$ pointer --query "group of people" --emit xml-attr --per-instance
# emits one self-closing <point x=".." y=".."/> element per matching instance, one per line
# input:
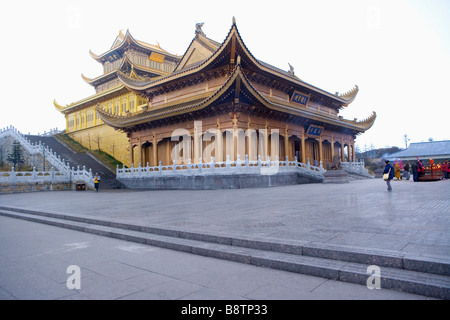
<point x="417" y="168"/>
<point x="446" y="169"/>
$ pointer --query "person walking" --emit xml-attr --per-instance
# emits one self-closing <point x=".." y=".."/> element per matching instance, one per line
<point x="415" y="171"/>
<point x="406" y="168"/>
<point x="389" y="172"/>
<point x="96" y="181"/>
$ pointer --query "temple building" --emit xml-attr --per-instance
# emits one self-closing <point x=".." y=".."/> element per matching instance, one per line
<point x="216" y="100"/>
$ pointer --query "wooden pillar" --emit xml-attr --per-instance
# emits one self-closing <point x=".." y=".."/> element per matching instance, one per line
<point x="303" y="147"/>
<point x="169" y="160"/>
<point x="354" y="151"/>
<point x="332" y="149"/>
<point x="139" y="154"/>
<point x="342" y="151"/>
<point x="320" y="151"/>
<point x="286" y="145"/>
<point x="155" y="151"/>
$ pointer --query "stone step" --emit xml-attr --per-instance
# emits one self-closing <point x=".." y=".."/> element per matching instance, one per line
<point x="79" y="159"/>
<point x="397" y="271"/>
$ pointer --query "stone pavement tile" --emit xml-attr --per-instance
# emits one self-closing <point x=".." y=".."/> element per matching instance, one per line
<point x="174" y="289"/>
<point x="350" y="238"/>
<point x="75" y="295"/>
<point x="47" y="266"/>
<point x="212" y="294"/>
<point x="386" y="241"/>
<point x="423" y="249"/>
<point x="101" y="287"/>
<point x="338" y="290"/>
<point x="147" y="280"/>
<point x="116" y="270"/>
<point x="278" y="292"/>
<point x="143" y="295"/>
<point x="237" y="283"/>
<point x="321" y="235"/>
<point x="5" y="295"/>
<point x="24" y="284"/>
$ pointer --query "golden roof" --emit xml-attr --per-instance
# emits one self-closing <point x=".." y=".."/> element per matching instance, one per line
<point x="237" y="81"/>
<point x="234" y="40"/>
<point x="122" y="41"/>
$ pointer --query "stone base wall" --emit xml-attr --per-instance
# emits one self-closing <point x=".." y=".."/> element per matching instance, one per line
<point x="34" y="186"/>
<point x="211" y="182"/>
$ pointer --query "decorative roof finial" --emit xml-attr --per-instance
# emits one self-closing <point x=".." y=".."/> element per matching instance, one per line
<point x="291" y="70"/>
<point x="234" y="20"/>
<point x="198" y="28"/>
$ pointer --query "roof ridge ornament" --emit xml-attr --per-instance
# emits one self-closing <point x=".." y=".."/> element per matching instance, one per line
<point x="198" y="28"/>
<point x="233" y="21"/>
<point x="291" y="70"/>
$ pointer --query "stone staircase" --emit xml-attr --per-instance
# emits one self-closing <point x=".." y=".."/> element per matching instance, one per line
<point x="353" y="176"/>
<point x="398" y="271"/>
<point x="108" y="178"/>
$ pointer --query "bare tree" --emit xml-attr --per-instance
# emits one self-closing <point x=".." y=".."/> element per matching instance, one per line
<point x="97" y="139"/>
<point x="113" y="147"/>
<point x="406" y="140"/>
<point x="89" y="140"/>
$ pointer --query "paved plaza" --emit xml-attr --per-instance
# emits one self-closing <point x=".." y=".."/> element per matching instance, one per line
<point x="412" y="219"/>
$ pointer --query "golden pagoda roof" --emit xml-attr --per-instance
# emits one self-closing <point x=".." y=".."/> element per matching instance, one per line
<point x="126" y="62"/>
<point x="233" y="45"/>
<point x="237" y="86"/>
<point x="123" y="41"/>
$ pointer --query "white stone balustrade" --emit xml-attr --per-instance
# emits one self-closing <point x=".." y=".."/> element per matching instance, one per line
<point x="51" y="176"/>
<point x="356" y="167"/>
<point x="80" y="176"/>
<point x="227" y="167"/>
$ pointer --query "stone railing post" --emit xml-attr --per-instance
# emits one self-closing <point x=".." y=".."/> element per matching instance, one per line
<point x="13" y="175"/>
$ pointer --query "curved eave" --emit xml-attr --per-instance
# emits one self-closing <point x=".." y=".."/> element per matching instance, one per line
<point x="88" y="100"/>
<point x="365" y="124"/>
<point x="95" y="56"/>
<point x="59" y="107"/>
<point x="88" y="80"/>
<point x="349" y="96"/>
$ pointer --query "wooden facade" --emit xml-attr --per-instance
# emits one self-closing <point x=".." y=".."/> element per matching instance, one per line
<point x="220" y="101"/>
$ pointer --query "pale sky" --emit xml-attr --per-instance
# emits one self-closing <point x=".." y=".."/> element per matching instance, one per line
<point x="396" y="51"/>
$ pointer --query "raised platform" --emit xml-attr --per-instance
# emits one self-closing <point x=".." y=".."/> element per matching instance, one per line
<point x="212" y="182"/>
